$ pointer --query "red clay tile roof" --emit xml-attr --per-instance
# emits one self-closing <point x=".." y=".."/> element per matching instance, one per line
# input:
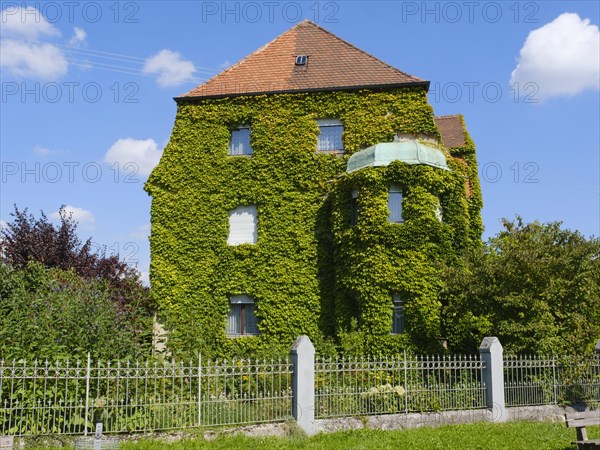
<point x="451" y="130"/>
<point x="333" y="64"/>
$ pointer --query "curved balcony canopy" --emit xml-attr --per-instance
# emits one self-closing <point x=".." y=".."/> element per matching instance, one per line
<point x="409" y="152"/>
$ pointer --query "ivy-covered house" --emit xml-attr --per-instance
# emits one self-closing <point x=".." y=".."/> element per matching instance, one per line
<point x="309" y="189"/>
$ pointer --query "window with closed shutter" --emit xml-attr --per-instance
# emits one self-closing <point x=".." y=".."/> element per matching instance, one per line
<point x="243" y="227"/>
<point x="439" y="212"/>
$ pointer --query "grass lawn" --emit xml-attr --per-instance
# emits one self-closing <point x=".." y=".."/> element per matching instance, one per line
<point x="515" y="435"/>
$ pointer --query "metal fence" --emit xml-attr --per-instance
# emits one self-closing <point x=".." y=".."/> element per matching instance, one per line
<point x="349" y="387"/>
<point x="65" y="398"/>
<point x="545" y="380"/>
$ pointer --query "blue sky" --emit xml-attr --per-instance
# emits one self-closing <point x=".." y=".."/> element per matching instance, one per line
<point x="87" y="90"/>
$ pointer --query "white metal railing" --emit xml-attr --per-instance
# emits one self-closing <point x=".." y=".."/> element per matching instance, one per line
<point x="66" y="398"/>
<point x="545" y="380"/>
<point x="394" y="385"/>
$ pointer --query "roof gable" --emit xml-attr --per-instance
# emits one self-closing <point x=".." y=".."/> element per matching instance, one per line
<point x="333" y="64"/>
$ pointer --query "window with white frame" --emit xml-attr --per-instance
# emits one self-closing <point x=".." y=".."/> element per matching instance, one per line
<point x="243" y="227"/>
<point x="240" y="141"/>
<point x="330" y="136"/>
<point x="395" y="204"/>
<point x="398" y="314"/>
<point x="241" y="320"/>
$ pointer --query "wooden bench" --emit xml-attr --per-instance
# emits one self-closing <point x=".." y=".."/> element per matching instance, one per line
<point x="580" y="420"/>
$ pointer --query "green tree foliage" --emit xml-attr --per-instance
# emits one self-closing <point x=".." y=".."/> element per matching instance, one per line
<point x="28" y="238"/>
<point x="53" y="313"/>
<point x="535" y="286"/>
<point x="57" y="298"/>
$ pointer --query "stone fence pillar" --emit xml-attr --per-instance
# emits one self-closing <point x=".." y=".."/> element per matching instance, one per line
<point x="493" y="375"/>
<point x="302" y="355"/>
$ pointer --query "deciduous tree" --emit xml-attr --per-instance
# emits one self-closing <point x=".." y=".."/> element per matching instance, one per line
<point x="535" y="286"/>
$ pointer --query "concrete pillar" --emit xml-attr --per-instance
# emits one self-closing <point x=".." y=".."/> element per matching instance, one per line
<point x="493" y="375"/>
<point x="302" y="355"/>
<point x="598" y="348"/>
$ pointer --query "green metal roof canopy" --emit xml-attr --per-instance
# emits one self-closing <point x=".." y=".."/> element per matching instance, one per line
<point x="410" y="152"/>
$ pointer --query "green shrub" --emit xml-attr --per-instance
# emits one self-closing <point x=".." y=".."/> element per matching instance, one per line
<point x="53" y="314"/>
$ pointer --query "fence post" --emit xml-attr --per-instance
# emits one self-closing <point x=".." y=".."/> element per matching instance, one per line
<point x="302" y="355"/>
<point x="598" y="349"/>
<point x="490" y="351"/>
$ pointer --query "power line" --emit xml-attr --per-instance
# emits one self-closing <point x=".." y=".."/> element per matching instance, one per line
<point x="123" y="58"/>
<point x="119" y="69"/>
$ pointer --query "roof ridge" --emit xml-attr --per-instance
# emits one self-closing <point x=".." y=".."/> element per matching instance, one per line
<point x="448" y="116"/>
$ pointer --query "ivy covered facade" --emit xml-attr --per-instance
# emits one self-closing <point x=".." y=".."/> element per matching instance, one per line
<point x="261" y="231"/>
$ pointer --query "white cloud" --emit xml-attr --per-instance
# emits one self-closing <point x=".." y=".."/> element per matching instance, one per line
<point x="224" y="65"/>
<point x="22" y="54"/>
<point x="84" y="217"/>
<point x="26" y="22"/>
<point x="27" y="59"/>
<point x="142" y="232"/>
<point x="145" y="277"/>
<point x="171" y="69"/>
<point x="4" y="225"/>
<point x="145" y="154"/>
<point x="41" y="151"/>
<point x="78" y="38"/>
<point x="562" y="57"/>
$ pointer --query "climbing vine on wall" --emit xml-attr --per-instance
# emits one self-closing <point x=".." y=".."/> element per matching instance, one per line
<point x="307" y="267"/>
<point x="376" y="259"/>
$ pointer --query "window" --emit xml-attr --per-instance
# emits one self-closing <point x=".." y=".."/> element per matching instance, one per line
<point x="301" y="60"/>
<point x="240" y="141"/>
<point x="243" y="226"/>
<point x="439" y="212"/>
<point x="330" y="137"/>
<point x="398" y="314"/>
<point x="241" y="320"/>
<point x="354" y="207"/>
<point x="395" y="204"/>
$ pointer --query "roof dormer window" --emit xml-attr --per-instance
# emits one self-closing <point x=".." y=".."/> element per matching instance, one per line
<point x="301" y="60"/>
